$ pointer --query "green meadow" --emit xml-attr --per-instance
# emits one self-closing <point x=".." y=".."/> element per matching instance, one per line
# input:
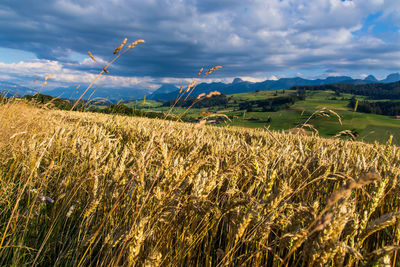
<point x="369" y="127"/>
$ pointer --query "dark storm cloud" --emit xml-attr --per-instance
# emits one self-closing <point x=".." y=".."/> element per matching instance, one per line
<point x="246" y="37"/>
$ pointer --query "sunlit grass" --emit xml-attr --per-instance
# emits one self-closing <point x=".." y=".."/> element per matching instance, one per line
<point x="105" y="190"/>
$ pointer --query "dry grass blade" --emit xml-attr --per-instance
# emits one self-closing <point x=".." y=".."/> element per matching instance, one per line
<point x="91" y="56"/>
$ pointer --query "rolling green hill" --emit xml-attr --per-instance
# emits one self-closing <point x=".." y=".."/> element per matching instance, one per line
<point x="370" y="127"/>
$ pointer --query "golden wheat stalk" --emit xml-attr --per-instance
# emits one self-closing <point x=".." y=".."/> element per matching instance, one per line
<point x="91" y="56"/>
<point x="378" y="224"/>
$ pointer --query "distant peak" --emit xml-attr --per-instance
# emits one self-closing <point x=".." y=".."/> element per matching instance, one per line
<point x="370" y="78"/>
<point x="166" y="88"/>
<point x="394" y="77"/>
<point x="237" y="80"/>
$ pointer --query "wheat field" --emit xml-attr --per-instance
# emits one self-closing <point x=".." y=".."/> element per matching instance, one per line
<point x="85" y="189"/>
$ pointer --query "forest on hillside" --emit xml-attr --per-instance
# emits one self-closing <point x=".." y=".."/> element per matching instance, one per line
<point x="373" y="91"/>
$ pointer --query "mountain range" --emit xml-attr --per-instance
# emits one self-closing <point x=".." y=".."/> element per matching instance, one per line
<point x="167" y="91"/>
<point x="11" y="89"/>
<point x="110" y="94"/>
<point x="102" y="93"/>
<point x="170" y="91"/>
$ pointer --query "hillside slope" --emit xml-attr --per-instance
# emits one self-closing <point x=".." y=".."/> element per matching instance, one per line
<point x="93" y="189"/>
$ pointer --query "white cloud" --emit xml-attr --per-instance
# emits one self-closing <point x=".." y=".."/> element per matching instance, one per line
<point x="62" y="75"/>
<point x="392" y="11"/>
<point x="246" y="37"/>
<point x="31" y="68"/>
<point x="5" y="77"/>
<point x="88" y="62"/>
<point x="177" y="81"/>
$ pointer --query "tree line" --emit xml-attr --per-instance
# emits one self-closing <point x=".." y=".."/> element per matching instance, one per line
<point x="373" y="90"/>
<point x="389" y="108"/>
<point x="271" y="104"/>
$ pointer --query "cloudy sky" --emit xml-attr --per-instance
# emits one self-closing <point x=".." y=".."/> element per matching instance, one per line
<point x="251" y="39"/>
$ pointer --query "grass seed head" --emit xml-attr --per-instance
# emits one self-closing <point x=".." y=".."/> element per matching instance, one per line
<point x="133" y="44"/>
<point x="120" y="46"/>
<point x="212" y="69"/>
<point x="213" y="93"/>
<point x="191" y="85"/>
<point x="200" y="95"/>
<point x="48" y="77"/>
<point x="201" y="70"/>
